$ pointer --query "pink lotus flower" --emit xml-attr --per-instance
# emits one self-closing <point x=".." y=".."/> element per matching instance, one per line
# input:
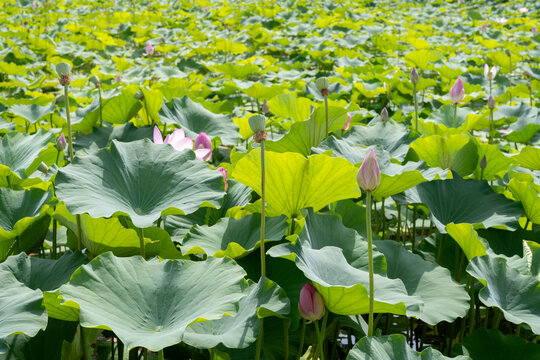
<point x="203" y="147"/>
<point x="224" y="173"/>
<point x="180" y="142"/>
<point x="490" y="74"/>
<point x="118" y="78"/>
<point x="311" y="303"/>
<point x="457" y="92"/>
<point x="384" y="115"/>
<point x="60" y="143"/>
<point x="369" y="175"/>
<point x="534" y="30"/>
<point x="415" y="77"/>
<point x="265" y="108"/>
<point x="149" y="49"/>
<point x="483" y="28"/>
<point x="502" y="20"/>
<point x="523" y="10"/>
<point x="348" y="123"/>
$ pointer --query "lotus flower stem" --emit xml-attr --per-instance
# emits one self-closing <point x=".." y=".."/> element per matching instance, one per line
<point x="68" y="117"/>
<point x="160" y="355"/>
<point x="370" y="257"/>
<point x="491" y="126"/>
<point x="263" y="210"/>
<point x="496" y="318"/>
<point x="259" y="340"/>
<point x="320" y="342"/>
<point x="415" y="110"/>
<point x="286" y="338"/>
<point x="302" y="335"/>
<point x="441" y="245"/>
<point x="326" y="112"/>
<point x="455" y="114"/>
<point x="100" y="108"/>
<point x="141" y="238"/>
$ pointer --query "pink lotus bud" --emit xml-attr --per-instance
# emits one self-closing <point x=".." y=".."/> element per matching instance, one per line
<point x="483" y="28"/>
<point x="118" y="78"/>
<point x="457" y="92"/>
<point x="534" y="30"/>
<point x="369" y="175"/>
<point x="311" y="303"/>
<point x="348" y="123"/>
<point x="502" y="20"/>
<point x="224" y="173"/>
<point x="203" y="147"/>
<point x="460" y="1"/>
<point x="384" y="115"/>
<point x="34" y="5"/>
<point x="491" y="102"/>
<point x="60" y="143"/>
<point x="415" y="78"/>
<point x="149" y="48"/>
<point x="523" y="10"/>
<point x="265" y="107"/>
<point x="490" y="74"/>
<point x="483" y="162"/>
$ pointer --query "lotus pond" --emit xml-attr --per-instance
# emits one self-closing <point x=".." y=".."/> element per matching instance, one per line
<point x="269" y="180"/>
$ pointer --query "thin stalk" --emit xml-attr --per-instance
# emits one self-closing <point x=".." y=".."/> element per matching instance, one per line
<point x="145" y="354"/>
<point x="286" y="338"/>
<point x="141" y="238"/>
<point x="472" y="311"/>
<point x="383" y="219"/>
<point x="455" y="113"/>
<point x="497" y="318"/>
<point x="415" y="111"/>
<point x="112" y="348"/>
<point x="398" y="234"/>
<point x="8" y="182"/>
<point x="414" y="228"/>
<point x="491" y="126"/>
<point x="441" y="245"/>
<point x="370" y="257"/>
<point x="482" y="174"/>
<point x="160" y="355"/>
<point x="526" y="224"/>
<point x="263" y="209"/>
<point x="100" y="108"/>
<point x="54" y="235"/>
<point x="79" y="231"/>
<point x="68" y="116"/>
<point x="320" y="341"/>
<point x="259" y="340"/>
<point x="326" y="112"/>
<point x="302" y="336"/>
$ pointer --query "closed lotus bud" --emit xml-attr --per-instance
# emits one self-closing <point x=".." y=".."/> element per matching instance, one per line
<point x="149" y="48"/>
<point x="43" y="167"/>
<point x="491" y="102"/>
<point x="60" y="143"/>
<point x="483" y="162"/>
<point x="224" y="173"/>
<point x="415" y="77"/>
<point x="369" y="175"/>
<point x="348" y="123"/>
<point x="257" y="123"/>
<point x="490" y="74"/>
<point x="95" y="80"/>
<point x="139" y="95"/>
<point x="534" y="30"/>
<point x="323" y="84"/>
<point x="457" y="92"/>
<point x="311" y="303"/>
<point x="265" y="108"/>
<point x="483" y="28"/>
<point x="118" y="78"/>
<point x="384" y="115"/>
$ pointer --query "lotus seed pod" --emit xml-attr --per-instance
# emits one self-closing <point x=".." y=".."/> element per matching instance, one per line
<point x="415" y="77"/>
<point x="384" y="115"/>
<point x="63" y="68"/>
<point x="94" y="80"/>
<point x="483" y="162"/>
<point x="491" y="102"/>
<point x="257" y="123"/>
<point x="323" y="84"/>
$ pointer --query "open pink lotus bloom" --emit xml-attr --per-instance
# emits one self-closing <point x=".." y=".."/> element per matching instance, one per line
<point x="490" y="74"/>
<point x="457" y="92"/>
<point x="203" y="147"/>
<point x="149" y="49"/>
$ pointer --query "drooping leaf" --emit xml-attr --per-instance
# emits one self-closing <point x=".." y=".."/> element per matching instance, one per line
<point x="32" y="112"/>
<point x="140" y="179"/>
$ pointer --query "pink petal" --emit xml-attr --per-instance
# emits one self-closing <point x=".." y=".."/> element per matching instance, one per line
<point x="158" y="139"/>
<point x="203" y="154"/>
<point x="182" y="144"/>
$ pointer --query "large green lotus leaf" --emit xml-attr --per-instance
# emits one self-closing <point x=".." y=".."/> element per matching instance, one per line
<point x="264" y="299"/>
<point x="22" y="310"/>
<point x="463" y="201"/>
<point x="103" y="136"/>
<point x="444" y="299"/>
<point x="484" y="344"/>
<point x="150" y="303"/>
<point x="444" y="117"/>
<point x="23" y="221"/>
<point x="497" y="162"/>
<point x="307" y="134"/>
<point x="516" y="293"/>
<point x="119" y="109"/>
<point x="467" y="238"/>
<point x="6" y="127"/>
<point x="238" y="195"/>
<point x="233" y="237"/>
<point x="526" y="126"/>
<point x="32" y="112"/>
<point x="294" y="182"/>
<point x="140" y="179"/>
<point x="335" y="259"/>
<point x="18" y="151"/>
<point x="528" y="157"/>
<point x="288" y="106"/>
<point x="194" y="119"/>
<point x="262" y="92"/>
<point x="423" y="59"/>
<point x="527" y="194"/>
<point x="455" y="152"/>
<point x="392" y="347"/>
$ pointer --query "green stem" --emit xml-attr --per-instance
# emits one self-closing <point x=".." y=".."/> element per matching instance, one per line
<point x="263" y="210"/>
<point x="472" y="311"/>
<point x="54" y="235"/>
<point x="482" y="174"/>
<point x="160" y="355"/>
<point x="455" y="113"/>
<point x="491" y="126"/>
<point x="141" y="238"/>
<point x="497" y="318"/>
<point x="326" y="111"/>
<point x="100" y="109"/>
<point x="370" y="257"/>
<point x="320" y="341"/>
<point x="414" y="228"/>
<point x="259" y="340"/>
<point x="302" y="336"/>
<point x="286" y="338"/>
<point x="415" y="111"/>
<point x="79" y="234"/>
<point x="383" y="219"/>
<point x="8" y="181"/>
<point x="441" y="245"/>
<point x="68" y="117"/>
<point x="398" y="232"/>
